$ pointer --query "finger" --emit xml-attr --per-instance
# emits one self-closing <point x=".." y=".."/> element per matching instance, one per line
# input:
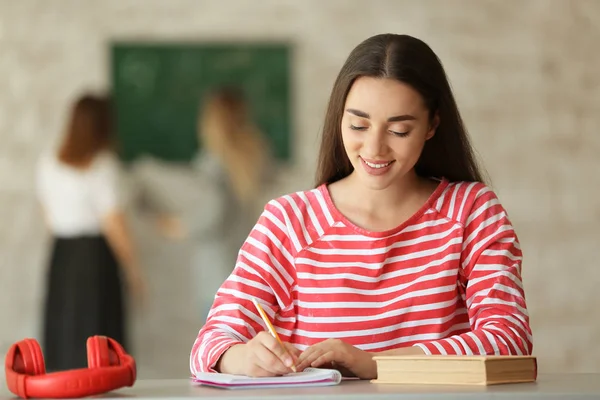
<point x="294" y="353"/>
<point x="293" y="350"/>
<point x="324" y="359"/>
<point x="269" y="361"/>
<point x="309" y="356"/>
<point x="277" y="349"/>
<point x="307" y="352"/>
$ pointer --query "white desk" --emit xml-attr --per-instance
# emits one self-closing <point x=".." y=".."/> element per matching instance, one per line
<point x="564" y="387"/>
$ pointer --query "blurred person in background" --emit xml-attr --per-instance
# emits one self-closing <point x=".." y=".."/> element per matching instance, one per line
<point x="234" y="145"/>
<point x="236" y="157"/>
<point x="92" y="258"/>
<point x="214" y="202"/>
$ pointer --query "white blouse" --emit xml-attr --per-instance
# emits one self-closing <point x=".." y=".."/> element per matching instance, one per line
<point x="76" y="200"/>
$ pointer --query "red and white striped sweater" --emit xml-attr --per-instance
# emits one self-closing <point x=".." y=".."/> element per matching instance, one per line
<point x="447" y="280"/>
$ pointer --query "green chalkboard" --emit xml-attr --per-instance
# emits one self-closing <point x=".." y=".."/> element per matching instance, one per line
<point x="157" y="90"/>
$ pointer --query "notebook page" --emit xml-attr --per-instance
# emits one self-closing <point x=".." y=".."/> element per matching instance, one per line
<point x="308" y="377"/>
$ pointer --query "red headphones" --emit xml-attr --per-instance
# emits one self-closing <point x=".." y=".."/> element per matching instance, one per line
<point x="109" y="368"/>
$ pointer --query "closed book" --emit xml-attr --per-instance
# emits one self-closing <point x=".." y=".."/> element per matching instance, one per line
<point x="455" y="370"/>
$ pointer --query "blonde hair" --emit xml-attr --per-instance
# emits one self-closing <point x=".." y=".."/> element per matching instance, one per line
<point x="227" y="130"/>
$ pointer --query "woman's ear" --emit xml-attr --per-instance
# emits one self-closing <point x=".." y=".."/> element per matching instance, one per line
<point x="435" y="122"/>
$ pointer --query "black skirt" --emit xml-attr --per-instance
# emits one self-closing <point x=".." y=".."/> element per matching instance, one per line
<point x="84" y="298"/>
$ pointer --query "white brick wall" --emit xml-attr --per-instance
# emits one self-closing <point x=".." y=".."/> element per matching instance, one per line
<point x="525" y="74"/>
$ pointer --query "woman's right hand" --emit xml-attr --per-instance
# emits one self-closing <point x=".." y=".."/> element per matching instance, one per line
<point x="261" y="356"/>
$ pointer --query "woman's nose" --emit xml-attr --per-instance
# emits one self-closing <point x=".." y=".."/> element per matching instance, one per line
<point x="375" y="143"/>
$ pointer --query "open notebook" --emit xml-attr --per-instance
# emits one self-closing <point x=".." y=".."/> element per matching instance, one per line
<point x="306" y="378"/>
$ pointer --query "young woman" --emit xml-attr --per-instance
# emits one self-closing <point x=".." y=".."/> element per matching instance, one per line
<point x="400" y="249"/>
<point x="92" y="250"/>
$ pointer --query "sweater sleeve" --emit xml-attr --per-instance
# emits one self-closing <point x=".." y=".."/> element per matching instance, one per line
<point x="490" y="279"/>
<point x="263" y="270"/>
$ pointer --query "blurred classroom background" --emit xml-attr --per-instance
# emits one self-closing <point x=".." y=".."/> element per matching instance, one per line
<point x="526" y="77"/>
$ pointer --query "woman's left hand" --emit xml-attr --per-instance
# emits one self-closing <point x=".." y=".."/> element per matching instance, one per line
<point x="335" y="353"/>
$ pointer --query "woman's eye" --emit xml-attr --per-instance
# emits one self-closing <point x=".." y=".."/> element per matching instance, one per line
<point x="400" y="134"/>
<point x="357" y="128"/>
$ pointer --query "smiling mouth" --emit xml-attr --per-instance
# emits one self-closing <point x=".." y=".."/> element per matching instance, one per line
<point x="378" y="164"/>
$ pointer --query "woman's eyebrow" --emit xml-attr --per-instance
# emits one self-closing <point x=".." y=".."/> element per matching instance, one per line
<point x="362" y="114"/>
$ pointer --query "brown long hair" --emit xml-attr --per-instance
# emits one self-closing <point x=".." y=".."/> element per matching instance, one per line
<point x="88" y="131"/>
<point x="227" y="130"/>
<point x="448" y="154"/>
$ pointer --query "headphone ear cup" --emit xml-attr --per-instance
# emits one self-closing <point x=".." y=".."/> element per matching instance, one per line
<point x="97" y="352"/>
<point x="29" y="358"/>
<point x="118" y="356"/>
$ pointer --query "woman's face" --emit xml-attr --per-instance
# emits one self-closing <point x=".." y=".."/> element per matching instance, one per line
<point x="384" y="128"/>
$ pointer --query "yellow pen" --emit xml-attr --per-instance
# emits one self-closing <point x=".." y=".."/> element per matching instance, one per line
<point x="263" y="315"/>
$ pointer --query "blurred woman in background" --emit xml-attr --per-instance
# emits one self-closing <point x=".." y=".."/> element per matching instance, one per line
<point x="232" y="140"/>
<point x="212" y="202"/>
<point x="236" y="158"/>
<point x="92" y="254"/>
